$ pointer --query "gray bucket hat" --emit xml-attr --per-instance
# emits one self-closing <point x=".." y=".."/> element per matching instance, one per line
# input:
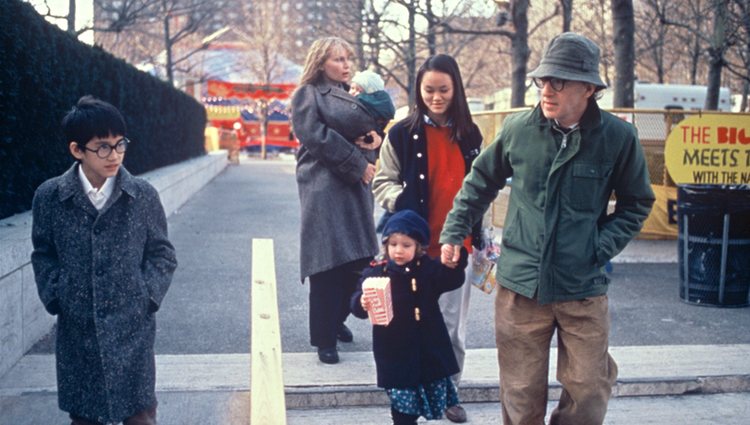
<point x="570" y="56"/>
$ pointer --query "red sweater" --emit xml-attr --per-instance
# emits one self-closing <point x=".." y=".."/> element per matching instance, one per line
<point x="445" y="168"/>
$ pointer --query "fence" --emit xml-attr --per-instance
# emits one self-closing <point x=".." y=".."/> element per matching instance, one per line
<point x="653" y="125"/>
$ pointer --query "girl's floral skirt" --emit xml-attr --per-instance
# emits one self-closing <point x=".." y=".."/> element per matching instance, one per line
<point x="429" y="400"/>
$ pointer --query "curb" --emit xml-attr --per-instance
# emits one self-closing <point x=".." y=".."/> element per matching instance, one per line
<point x="644" y="371"/>
<point x="350" y="396"/>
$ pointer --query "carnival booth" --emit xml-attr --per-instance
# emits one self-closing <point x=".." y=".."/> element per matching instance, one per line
<point x="238" y="108"/>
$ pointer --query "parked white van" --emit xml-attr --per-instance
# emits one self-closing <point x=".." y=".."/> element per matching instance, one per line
<point x="677" y="96"/>
<point x="669" y="96"/>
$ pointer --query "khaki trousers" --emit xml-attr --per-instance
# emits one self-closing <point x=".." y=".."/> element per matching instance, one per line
<point x="523" y="332"/>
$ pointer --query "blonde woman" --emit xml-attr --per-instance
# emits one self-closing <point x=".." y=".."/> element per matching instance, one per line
<point x="335" y="167"/>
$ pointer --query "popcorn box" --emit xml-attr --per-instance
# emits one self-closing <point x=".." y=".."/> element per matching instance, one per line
<point x="378" y="293"/>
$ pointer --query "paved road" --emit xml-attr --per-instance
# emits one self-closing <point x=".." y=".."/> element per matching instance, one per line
<point x="206" y="309"/>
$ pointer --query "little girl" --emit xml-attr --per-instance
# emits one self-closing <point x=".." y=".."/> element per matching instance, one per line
<point x="413" y="353"/>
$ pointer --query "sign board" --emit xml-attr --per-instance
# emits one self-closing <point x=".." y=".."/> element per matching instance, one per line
<point x="709" y="149"/>
<point x="229" y="90"/>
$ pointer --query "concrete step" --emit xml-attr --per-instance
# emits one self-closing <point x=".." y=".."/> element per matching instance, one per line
<point x="694" y="409"/>
<point x="644" y="371"/>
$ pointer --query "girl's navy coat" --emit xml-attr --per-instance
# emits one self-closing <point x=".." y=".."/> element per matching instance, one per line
<point x="410" y="352"/>
<point x="104" y="274"/>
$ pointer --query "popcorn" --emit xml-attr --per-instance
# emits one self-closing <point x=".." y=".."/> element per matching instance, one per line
<point x="377" y="291"/>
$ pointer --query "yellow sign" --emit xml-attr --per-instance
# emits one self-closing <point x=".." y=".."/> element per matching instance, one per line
<point x="661" y="223"/>
<point x="709" y="149"/>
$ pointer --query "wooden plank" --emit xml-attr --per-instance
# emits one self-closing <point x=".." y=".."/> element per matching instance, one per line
<point x="267" y="403"/>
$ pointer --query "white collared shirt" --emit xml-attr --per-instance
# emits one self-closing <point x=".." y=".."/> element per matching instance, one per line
<point x="571" y="128"/>
<point x="97" y="197"/>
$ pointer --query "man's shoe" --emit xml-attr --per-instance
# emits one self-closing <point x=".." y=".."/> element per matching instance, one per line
<point x="456" y="414"/>
<point x="344" y="334"/>
<point x="328" y="355"/>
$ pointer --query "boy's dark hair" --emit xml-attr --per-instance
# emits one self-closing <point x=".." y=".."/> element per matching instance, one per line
<point x="90" y="118"/>
<point x="458" y="111"/>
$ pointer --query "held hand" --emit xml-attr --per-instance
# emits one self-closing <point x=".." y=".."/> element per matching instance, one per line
<point x="364" y="143"/>
<point x="376" y="139"/>
<point x="365" y="303"/>
<point x="369" y="174"/>
<point x="450" y="254"/>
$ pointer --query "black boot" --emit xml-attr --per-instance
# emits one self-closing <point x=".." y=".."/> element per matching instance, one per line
<point x="403" y="418"/>
<point x="344" y="334"/>
<point x="329" y="355"/>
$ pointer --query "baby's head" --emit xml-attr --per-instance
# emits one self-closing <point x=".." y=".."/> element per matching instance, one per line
<point x="405" y="236"/>
<point x="367" y="82"/>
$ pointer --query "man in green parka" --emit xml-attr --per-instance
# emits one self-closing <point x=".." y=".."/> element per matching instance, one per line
<point x="566" y="158"/>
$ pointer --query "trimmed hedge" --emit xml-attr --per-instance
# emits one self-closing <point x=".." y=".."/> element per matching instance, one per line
<point x="44" y="71"/>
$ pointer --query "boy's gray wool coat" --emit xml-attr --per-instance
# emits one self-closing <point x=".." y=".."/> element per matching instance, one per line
<point x="337" y="224"/>
<point x="104" y="273"/>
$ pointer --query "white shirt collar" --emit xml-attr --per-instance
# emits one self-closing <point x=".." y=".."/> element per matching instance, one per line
<point x="97" y="197"/>
<point x="571" y="128"/>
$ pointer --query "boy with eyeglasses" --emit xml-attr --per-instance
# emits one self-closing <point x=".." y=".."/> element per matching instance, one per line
<point x="566" y="157"/>
<point x="103" y="263"/>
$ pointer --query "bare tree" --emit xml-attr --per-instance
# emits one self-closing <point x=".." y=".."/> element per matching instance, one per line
<point x="263" y="57"/>
<point x="738" y="60"/>
<point x="162" y="33"/>
<point x="117" y="15"/>
<point x="180" y="19"/>
<point x="69" y="18"/>
<point x="397" y="34"/>
<point x="391" y="38"/>
<point x="716" y="54"/>
<point x="567" y="13"/>
<point x="694" y="14"/>
<point x="623" y="29"/>
<point x="147" y="31"/>
<point x="719" y="39"/>
<point x="519" y="39"/>
<point x="652" y="49"/>
<point x="598" y="27"/>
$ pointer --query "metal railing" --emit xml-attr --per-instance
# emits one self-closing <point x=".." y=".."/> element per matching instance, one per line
<point x="653" y="125"/>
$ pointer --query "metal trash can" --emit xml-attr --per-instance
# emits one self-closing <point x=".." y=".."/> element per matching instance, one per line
<point x="714" y="244"/>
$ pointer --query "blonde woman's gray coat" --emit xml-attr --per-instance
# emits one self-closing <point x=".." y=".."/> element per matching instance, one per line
<point x="337" y="223"/>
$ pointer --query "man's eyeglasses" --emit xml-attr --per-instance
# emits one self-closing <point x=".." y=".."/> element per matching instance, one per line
<point x="557" y="84"/>
<point x="105" y="150"/>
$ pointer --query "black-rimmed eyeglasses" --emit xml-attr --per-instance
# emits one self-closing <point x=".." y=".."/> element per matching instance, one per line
<point x="105" y="150"/>
<point x="557" y="84"/>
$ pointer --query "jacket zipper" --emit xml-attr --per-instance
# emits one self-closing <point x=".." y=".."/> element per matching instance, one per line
<point x="564" y="143"/>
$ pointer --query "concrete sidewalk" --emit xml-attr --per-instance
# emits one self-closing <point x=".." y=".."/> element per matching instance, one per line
<point x="220" y="383"/>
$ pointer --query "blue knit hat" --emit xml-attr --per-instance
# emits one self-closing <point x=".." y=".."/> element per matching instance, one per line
<point x="409" y="223"/>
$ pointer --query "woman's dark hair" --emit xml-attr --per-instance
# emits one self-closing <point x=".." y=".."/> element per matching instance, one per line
<point x="91" y="118"/>
<point x="458" y="112"/>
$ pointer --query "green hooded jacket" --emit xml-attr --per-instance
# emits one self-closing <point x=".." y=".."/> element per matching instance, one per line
<point x="557" y="234"/>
